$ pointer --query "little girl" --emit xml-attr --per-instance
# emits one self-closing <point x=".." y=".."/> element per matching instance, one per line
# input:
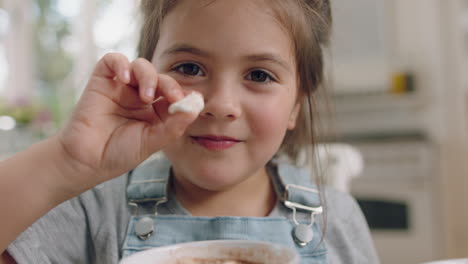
<point x="222" y="173"/>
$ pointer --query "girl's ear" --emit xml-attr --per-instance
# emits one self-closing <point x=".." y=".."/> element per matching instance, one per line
<point x="293" y="117"/>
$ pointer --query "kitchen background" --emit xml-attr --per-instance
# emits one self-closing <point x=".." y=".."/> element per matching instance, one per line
<point x="398" y="92"/>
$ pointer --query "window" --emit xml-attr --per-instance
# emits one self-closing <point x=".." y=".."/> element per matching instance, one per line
<point x="4" y="27"/>
<point x="49" y="48"/>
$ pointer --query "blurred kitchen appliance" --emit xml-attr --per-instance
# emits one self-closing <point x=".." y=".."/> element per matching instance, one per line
<point x="395" y="192"/>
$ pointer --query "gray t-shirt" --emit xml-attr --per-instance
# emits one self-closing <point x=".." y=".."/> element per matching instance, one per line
<point x="91" y="228"/>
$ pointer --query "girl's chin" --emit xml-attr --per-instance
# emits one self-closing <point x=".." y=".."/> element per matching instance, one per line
<point x="211" y="181"/>
<point x="214" y="183"/>
<point x="211" y="176"/>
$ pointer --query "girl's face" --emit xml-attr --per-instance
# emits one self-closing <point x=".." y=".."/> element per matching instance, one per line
<point x="241" y="59"/>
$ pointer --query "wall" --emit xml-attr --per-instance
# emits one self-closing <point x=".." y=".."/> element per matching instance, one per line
<point x="430" y="34"/>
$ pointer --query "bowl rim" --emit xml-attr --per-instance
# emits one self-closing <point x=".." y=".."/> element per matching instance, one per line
<point x="446" y="261"/>
<point x="223" y="242"/>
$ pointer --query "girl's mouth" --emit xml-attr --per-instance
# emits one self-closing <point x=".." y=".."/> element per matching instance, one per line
<point x="216" y="143"/>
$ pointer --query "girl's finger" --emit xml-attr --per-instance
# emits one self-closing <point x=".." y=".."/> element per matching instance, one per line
<point x="161" y="107"/>
<point x="145" y="78"/>
<point x="162" y="134"/>
<point x="169" y="89"/>
<point x="113" y="65"/>
<point x="176" y="124"/>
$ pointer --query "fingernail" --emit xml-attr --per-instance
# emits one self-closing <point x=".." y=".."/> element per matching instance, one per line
<point x="127" y="75"/>
<point x="149" y="92"/>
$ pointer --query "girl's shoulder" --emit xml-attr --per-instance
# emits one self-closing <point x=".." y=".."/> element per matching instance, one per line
<point x="341" y="205"/>
<point x="347" y="234"/>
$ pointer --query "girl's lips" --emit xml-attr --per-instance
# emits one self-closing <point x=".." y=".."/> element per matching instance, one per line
<point x="215" y="142"/>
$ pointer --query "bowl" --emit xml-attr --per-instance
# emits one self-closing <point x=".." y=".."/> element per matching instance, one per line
<point x="217" y="252"/>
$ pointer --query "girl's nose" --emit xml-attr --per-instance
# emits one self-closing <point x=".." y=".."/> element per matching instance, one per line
<point x="221" y="104"/>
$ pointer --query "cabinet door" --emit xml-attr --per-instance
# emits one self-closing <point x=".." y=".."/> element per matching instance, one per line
<point x="361" y="44"/>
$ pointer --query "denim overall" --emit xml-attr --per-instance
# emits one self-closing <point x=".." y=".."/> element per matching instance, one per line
<point x="147" y="191"/>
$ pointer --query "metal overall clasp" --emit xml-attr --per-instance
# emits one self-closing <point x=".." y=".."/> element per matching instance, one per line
<point x="144" y="227"/>
<point x="303" y="234"/>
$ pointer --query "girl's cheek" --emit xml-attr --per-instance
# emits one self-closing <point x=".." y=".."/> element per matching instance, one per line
<point x="268" y="121"/>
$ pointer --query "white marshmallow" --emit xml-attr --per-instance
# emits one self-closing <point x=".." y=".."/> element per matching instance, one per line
<point x="191" y="103"/>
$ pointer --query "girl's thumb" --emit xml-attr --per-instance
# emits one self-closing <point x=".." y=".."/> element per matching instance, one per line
<point x="176" y="125"/>
<point x="162" y="135"/>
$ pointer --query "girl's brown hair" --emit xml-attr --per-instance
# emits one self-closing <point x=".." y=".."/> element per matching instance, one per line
<point x="307" y="21"/>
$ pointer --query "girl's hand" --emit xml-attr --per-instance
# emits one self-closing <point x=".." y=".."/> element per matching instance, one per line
<point x="116" y="124"/>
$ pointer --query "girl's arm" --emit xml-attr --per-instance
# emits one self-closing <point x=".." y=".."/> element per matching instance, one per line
<point x="116" y="125"/>
<point x="31" y="185"/>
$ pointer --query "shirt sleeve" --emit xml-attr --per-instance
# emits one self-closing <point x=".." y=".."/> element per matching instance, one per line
<point x="347" y="234"/>
<point x="87" y="229"/>
<point x="60" y="236"/>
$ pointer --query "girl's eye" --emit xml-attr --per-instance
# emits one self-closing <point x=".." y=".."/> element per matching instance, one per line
<point x="189" y="69"/>
<point x="260" y="76"/>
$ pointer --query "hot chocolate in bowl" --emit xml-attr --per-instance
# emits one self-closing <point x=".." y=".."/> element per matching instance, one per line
<point x="217" y="252"/>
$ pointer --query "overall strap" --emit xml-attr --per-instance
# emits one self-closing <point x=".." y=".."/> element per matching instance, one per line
<point x="298" y="193"/>
<point x="149" y="181"/>
<point x="296" y="188"/>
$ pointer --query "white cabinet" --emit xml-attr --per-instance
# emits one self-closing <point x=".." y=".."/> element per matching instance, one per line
<point x="361" y="48"/>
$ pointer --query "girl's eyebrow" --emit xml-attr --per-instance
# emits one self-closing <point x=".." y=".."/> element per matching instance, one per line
<point x="269" y="57"/>
<point x="178" y="48"/>
<point x="266" y="56"/>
